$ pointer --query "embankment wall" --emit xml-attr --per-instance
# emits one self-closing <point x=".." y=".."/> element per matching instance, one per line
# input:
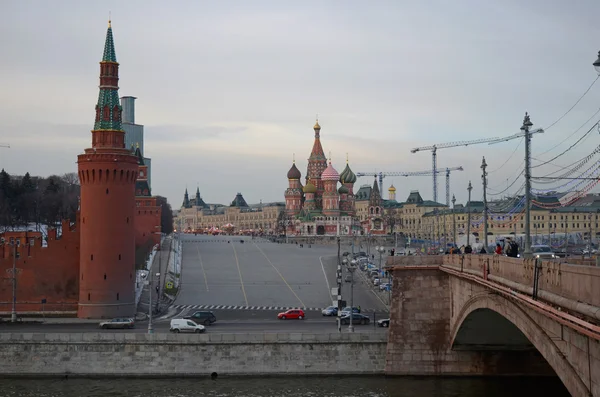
<point x="133" y="354"/>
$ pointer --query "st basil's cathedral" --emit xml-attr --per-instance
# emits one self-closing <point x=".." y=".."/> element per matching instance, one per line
<point x="320" y="207"/>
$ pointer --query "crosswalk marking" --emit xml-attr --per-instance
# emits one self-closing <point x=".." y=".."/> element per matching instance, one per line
<point x="278" y="308"/>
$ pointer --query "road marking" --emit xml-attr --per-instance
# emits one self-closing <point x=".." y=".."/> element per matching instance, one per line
<point x="280" y="275"/>
<point x="202" y="267"/>
<point x="325" y="274"/>
<point x="237" y="262"/>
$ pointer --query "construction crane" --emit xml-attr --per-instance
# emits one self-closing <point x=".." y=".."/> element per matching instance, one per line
<point x="6" y="145"/>
<point x="434" y="149"/>
<point x="382" y="175"/>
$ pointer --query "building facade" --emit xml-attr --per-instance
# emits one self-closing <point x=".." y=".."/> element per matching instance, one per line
<point x="196" y="216"/>
<point x="320" y="207"/>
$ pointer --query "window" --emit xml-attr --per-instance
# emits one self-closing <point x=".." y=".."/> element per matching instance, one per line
<point x="105" y="276"/>
<point x="117" y="296"/>
<point x="89" y="296"/>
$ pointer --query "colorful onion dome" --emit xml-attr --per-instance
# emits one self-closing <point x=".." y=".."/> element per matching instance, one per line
<point x="347" y="176"/>
<point x="330" y="174"/>
<point x="294" y="172"/>
<point x="343" y="190"/>
<point x="309" y="188"/>
<point x="317" y="126"/>
<point x="392" y="189"/>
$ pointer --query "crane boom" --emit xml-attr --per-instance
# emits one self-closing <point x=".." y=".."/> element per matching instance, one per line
<point x="446" y="145"/>
<point x="6" y="145"/>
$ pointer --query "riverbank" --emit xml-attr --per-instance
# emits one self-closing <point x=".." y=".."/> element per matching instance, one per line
<point x="185" y="355"/>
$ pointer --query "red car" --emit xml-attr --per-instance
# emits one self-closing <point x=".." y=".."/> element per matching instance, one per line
<point x="292" y="313"/>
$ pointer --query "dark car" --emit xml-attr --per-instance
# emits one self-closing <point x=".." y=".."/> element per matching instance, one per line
<point x="384" y="322"/>
<point x="356" y="319"/>
<point x="202" y="317"/>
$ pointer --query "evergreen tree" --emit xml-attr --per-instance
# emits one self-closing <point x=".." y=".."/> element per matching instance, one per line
<point x="166" y="217"/>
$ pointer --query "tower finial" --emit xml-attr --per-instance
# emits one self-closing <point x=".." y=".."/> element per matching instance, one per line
<point x="330" y="156"/>
<point x="109" y="19"/>
<point x="294" y="158"/>
<point x="346" y="157"/>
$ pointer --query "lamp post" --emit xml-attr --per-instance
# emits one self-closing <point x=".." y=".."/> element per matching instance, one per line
<point x="590" y="235"/>
<point x="597" y="64"/>
<point x="525" y="128"/>
<point x="13" y="313"/>
<point x="453" y="221"/>
<point x="351" y="269"/>
<point x="159" y="268"/>
<point x="469" y="188"/>
<point x="485" y="209"/>
<point x="380" y="250"/>
<point x="149" y="283"/>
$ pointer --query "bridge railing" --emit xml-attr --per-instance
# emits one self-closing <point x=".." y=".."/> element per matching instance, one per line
<point x="557" y="280"/>
<point x="579" y="283"/>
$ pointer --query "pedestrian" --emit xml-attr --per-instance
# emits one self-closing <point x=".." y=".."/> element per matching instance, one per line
<point x="359" y="308"/>
<point x="468" y="249"/>
<point x="157" y="289"/>
<point x="482" y="251"/>
<point x="498" y="249"/>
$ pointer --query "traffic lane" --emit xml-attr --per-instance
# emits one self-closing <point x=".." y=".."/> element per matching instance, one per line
<point x="263" y="282"/>
<point x="301" y="268"/>
<point x="263" y="315"/>
<point x="364" y="295"/>
<point x="210" y="275"/>
<point x="363" y="287"/>
<point x="220" y="327"/>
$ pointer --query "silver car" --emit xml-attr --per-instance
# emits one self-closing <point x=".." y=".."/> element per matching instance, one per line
<point x="543" y="252"/>
<point x="330" y="311"/>
<point x="118" y="323"/>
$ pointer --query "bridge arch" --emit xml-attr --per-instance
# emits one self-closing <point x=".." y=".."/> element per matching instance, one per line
<point x="499" y="308"/>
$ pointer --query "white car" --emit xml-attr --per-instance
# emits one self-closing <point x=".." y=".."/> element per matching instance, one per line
<point x="183" y="325"/>
<point x="542" y="252"/>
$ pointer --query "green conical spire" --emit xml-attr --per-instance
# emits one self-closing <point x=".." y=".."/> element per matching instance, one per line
<point x="109" y="47"/>
<point x="108" y="109"/>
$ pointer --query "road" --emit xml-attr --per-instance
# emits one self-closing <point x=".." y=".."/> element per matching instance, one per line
<point x="223" y="272"/>
<point x="228" y="321"/>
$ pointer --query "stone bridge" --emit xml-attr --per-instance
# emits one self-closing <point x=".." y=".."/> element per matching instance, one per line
<point x="481" y="315"/>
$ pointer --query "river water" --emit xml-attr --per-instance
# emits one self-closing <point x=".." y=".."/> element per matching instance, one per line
<point x="285" y="387"/>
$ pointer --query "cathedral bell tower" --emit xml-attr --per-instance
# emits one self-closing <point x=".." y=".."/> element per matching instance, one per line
<point x="107" y="173"/>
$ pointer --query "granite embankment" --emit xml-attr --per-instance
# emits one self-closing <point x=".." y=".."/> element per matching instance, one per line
<point x="124" y="354"/>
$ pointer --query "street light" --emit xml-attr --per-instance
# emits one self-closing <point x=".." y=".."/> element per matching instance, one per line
<point x="149" y="283"/>
<point x="453" y="221"/>
<point x="597" y="64"/>
<point x="381" y="250"/>
<point x="469" y="214"/>
<point x="351" y="269"/>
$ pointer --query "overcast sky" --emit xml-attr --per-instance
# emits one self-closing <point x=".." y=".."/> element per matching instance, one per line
<point x="228" y="91"/>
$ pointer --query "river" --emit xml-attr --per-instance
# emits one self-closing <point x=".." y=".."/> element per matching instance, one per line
<point x="285" y="387"/>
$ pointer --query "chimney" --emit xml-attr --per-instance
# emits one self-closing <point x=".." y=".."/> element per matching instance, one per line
<point x="128" y="104"/>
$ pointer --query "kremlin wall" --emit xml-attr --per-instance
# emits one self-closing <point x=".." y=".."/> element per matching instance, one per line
<point x="90" y="266"/>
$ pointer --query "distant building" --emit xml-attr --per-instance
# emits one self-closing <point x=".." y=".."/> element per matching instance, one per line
<point x="319" y="207"/>
<point x="134" y="133"/>
<point x="239" y="217"/>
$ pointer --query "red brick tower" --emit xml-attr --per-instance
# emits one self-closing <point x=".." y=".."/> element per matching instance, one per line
<point x="107" y="173"/>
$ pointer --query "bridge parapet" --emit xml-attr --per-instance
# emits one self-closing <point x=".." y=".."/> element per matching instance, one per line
<point x="574" y="282"/>
<point x="475" y="315"/>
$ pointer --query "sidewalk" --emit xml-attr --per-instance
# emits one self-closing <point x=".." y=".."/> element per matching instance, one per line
<point x="159" y="265"/>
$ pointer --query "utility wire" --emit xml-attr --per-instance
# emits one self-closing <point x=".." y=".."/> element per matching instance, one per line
<point x="574" y="132"/>
<point x="575" y="104"/>
<point x="509" y="157"/>
<point x="569" y="148"/>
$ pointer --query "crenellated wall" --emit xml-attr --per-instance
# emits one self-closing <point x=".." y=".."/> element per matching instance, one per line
<point x="49" y="273"/>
